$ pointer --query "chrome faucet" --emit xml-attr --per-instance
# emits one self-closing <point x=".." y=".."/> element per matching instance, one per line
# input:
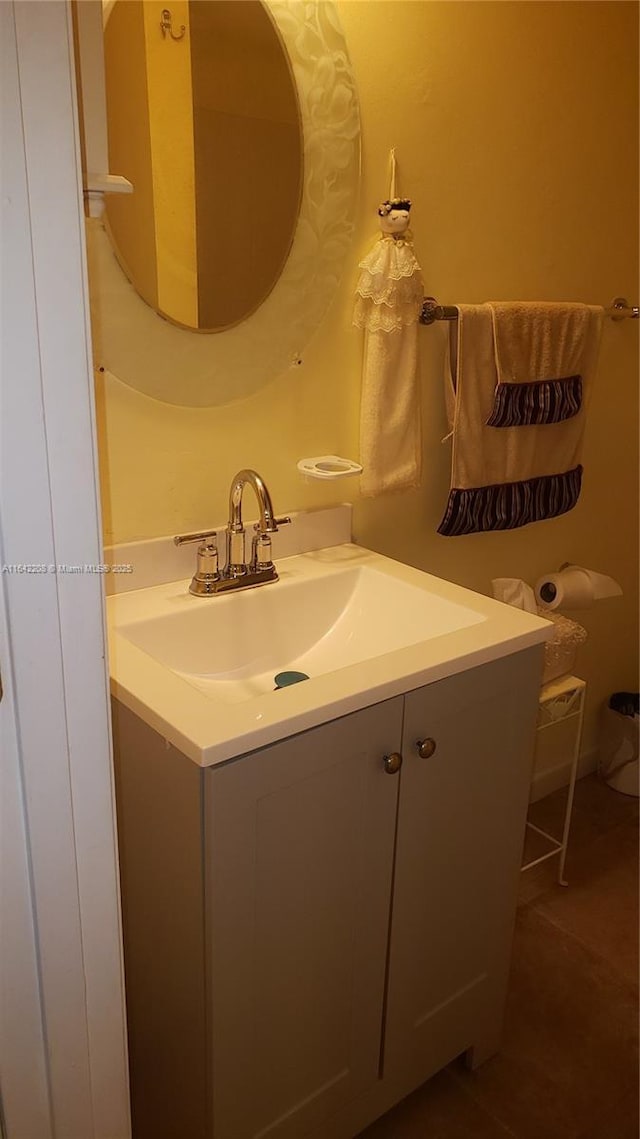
<point x="237" y="573"/>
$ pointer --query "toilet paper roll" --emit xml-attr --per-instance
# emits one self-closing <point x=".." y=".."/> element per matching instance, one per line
<point x="574" y="588"/>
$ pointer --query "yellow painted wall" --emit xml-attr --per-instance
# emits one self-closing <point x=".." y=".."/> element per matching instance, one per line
<point x="154" y="228"/>
<point x="171" y="132"/>
<point x="130" y="216"/>
<point x="517" y="135"/>
<point x="245" y="210"/>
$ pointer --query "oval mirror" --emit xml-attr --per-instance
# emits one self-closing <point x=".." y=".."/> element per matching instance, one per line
<point x="163" y="358"/>
<point x="203" y="119"/>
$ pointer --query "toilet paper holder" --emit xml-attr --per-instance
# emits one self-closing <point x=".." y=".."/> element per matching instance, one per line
<point x="580" y="588"/>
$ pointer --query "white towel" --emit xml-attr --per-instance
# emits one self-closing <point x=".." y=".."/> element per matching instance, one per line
<point x="390" y="433"/>
<point x="537" y="340"/>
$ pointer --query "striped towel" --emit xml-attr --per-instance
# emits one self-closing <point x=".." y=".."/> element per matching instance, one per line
<point x="529" y="469"/>
<point x="543" y="401"/>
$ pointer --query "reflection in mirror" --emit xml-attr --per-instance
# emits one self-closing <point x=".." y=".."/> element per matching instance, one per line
<point x="207" y="128"/>
<point x="171" y="363"/>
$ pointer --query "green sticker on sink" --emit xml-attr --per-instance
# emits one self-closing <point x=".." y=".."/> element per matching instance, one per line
<point x="284" y="679"/>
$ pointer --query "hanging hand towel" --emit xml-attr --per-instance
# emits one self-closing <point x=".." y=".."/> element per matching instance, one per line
<point x="526" y="467"/>
<point x="389" y="299"/>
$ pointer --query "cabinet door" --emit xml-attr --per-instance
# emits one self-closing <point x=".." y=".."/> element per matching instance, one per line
<point x="460" y="827"/>
<point x="299" y="863"/>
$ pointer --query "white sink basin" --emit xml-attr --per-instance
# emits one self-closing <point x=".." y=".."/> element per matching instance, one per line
<point x="362" y="627"/>
<point x="232" y="646"/>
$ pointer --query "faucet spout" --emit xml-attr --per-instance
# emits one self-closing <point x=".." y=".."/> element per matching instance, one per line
<point x="237" y="566"/>
<point x="252" y="478"/>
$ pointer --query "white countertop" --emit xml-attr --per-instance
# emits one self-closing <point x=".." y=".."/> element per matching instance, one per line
<point x="188" y="712"/>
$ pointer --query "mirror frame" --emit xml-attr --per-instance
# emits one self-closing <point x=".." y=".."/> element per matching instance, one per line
<point x="192" y="369"/>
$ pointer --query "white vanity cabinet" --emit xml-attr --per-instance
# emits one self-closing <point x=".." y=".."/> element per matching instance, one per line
<point x="340" y="932"/>
<point x="461" y="821"/>
<point x="300" y="840"/>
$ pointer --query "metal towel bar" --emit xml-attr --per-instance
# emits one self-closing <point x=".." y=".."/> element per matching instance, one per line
<point x="619" y="309"/>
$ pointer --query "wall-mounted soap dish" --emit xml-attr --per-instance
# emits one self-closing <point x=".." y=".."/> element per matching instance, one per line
<point x="329" y="467"/>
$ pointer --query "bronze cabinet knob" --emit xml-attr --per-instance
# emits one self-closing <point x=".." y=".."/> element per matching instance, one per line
<point x="392" y="763"/>
<point x="426" y="747"/>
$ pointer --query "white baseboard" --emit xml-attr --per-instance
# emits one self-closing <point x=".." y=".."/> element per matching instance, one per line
<point x="552" y="779"/>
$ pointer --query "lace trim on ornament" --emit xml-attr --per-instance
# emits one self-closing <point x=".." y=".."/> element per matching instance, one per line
<point x="383" y="318"/>
<point x="407" y="290"/>
<point x="393" y="260"/>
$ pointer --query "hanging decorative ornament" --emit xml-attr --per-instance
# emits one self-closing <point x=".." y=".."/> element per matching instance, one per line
<point x="390" y="291"/>
<point x="389" y="297"/>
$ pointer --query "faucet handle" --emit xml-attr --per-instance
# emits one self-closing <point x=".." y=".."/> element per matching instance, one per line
<point x="201" y="536"/>
<point x="207" y="575"/>
<point x="261" y="545"/>
<point x="273" y="525"/>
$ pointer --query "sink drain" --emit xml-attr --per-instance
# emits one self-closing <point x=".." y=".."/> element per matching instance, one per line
<point x="284" y="679"/>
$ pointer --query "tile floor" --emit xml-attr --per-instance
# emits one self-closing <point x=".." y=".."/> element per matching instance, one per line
<point x="568" y="1068"/>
